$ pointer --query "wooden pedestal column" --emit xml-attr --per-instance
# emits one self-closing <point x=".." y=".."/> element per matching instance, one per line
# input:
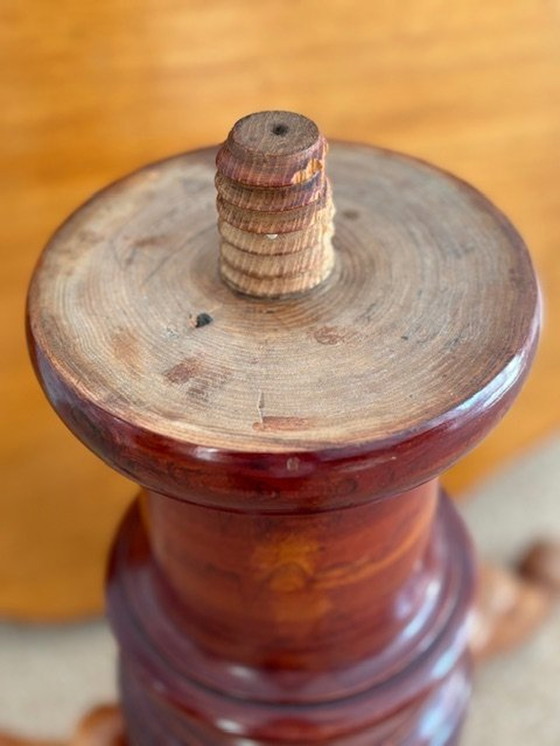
<point x="287" y="390"/>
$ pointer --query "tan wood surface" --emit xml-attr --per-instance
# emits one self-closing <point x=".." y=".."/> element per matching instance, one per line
<point x="91" y="90"/>
<point x="275" y="208"/>
<point x="430" y="309"/>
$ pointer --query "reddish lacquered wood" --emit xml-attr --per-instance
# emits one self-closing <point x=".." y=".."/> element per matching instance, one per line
<point x="290" y="574"/>
<point x="280" y="581"/>
<point x="250" y="653"/>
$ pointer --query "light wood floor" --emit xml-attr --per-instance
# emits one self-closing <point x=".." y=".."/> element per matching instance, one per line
<point x="92" y="89"/>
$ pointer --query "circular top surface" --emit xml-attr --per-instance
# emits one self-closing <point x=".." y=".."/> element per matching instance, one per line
<point x="429" y="307"/>
<point x="274" y="133"/>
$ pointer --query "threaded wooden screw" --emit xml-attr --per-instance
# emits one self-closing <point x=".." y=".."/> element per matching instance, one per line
<point x="274" y="205"/>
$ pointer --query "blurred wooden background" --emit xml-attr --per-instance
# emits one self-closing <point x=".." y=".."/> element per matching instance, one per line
<point x="93" y="89"/>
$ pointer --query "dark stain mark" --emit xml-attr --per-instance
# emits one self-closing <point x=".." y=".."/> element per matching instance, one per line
<point x="202" y="319"/>
<point x="125" y="347"/>
<point x="282" y="424"/>
<point x="197" y="380"/>
<point x="351" y="214"/>
<point x="184" y="371"/>
<point x="201" y="388"/>
<point x="148" y="241"/>
<point x="328" y="335"/>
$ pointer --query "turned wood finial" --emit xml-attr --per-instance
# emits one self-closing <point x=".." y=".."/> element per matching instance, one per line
<point x="274" y="204"/>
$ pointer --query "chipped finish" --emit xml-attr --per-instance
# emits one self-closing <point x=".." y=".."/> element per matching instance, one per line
<point x="271" y="182"/>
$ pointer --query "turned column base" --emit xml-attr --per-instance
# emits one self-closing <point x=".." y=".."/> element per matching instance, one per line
<point x="413" y="693"/>
<point x="435" y="719"/>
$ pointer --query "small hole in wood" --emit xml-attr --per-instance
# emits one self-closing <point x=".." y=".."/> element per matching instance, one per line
<point x="280" y="129"/>
<point x="203" y="319"/>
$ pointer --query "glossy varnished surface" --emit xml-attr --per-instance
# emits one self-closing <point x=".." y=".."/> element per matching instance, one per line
<point x="348" y="630"/>
<point x="295" y="591"/>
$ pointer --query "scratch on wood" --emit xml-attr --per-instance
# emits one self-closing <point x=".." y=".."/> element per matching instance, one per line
<point x="161" y="263"/>
<point x="260" y="406"/>
<point x="281" y="424"/>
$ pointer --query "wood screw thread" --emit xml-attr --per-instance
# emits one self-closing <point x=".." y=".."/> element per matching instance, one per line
<point x="275" y="209"/>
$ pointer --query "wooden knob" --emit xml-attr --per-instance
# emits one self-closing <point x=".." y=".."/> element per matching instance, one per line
<point x="274" y="205"/>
